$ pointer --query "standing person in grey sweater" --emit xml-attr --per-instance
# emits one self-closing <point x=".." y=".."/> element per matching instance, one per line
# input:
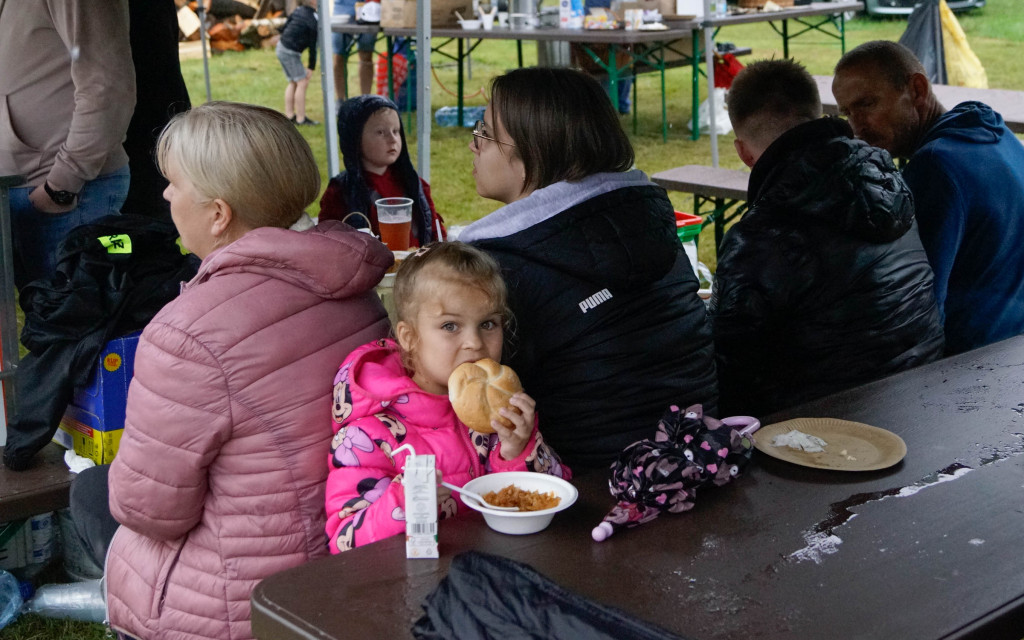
<point x="300" y="33"/>
<point x="68" y="91"/>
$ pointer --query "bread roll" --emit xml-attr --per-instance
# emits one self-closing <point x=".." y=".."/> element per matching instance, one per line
<point x="478" y="390"/>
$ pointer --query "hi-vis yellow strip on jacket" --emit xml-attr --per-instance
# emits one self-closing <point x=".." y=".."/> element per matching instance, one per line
<point x="116" y="244"/>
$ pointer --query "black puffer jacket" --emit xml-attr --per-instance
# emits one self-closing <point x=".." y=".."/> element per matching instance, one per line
<point x="610" y="330"/>
<point x="824" y="284"/>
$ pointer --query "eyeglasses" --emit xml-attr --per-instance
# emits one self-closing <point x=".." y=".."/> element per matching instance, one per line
<point x="478" y="132"/>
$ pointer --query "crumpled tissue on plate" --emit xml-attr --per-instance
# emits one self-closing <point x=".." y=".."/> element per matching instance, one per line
<point x="800" y="440"/>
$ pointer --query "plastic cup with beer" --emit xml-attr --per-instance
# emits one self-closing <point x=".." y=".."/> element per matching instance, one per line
<point x="394" y="217"/>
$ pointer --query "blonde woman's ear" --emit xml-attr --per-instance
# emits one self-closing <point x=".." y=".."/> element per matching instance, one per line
<point x="221" y="217"/>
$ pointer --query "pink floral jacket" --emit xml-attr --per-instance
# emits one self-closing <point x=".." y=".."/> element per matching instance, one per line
<point x="377" y="408"/>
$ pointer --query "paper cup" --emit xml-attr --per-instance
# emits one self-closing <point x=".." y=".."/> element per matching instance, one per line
<point x="394" y="217"/>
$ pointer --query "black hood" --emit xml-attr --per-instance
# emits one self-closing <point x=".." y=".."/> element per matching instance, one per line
<point x="817" y="171"/>
<point x="614" y="228"/>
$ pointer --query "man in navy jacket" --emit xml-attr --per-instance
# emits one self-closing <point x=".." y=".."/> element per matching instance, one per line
<point x="966" y="171"/>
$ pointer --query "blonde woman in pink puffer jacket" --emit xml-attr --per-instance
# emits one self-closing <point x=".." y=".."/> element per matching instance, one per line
<point x="219" y="479"/>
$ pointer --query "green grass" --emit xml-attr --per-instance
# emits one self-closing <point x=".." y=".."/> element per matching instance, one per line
<point x="32" y="627"/>
<point x="996" y="34"/>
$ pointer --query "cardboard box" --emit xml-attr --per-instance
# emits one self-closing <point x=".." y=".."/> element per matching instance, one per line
<point x="94" y="421"/>
<point x="664" y="7"/>
<point x="690" y="8"/>
<point x="401" y="14"/>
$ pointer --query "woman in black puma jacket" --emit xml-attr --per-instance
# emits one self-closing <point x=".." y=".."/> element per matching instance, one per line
<point x="609" y="329"/>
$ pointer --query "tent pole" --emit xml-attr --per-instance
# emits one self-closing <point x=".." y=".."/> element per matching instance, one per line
<point x="423" y="106"/>
<point x="201" y="12"/>
<point x="327" y="85"/>
<point x="709" y="56"/>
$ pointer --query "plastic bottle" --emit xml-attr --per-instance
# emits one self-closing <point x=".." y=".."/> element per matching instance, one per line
<point x="10" y="598"/>
<point x="41" y="527"/>
<point x="75" y="601"/>
<point x="449" y="116"/>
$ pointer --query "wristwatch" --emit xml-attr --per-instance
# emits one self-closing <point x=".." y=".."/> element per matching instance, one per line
<point x="60" y="198"/>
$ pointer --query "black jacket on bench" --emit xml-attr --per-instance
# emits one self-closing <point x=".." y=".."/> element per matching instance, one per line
<point x="95" y="295"/>
<point x="610" y="330"/>
<point x="824" y="284"/>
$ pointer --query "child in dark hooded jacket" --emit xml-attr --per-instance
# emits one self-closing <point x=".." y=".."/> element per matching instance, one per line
<point x="377" y="165"/>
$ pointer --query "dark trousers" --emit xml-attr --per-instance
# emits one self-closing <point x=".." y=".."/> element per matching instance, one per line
<point x="91" y="512"/>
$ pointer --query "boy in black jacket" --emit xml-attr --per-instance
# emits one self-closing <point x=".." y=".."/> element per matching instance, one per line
<point x="823" y="285"/>
<point x="299" y="33"/>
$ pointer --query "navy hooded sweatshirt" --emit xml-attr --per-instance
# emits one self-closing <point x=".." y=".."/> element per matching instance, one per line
<point x="967" y="177"/>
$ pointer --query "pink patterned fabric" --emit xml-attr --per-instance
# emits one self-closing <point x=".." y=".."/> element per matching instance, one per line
<point x="219" y="479"/>
<point x="378" y="408"/>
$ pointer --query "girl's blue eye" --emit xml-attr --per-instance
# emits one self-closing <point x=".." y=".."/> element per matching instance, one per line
<point x="449" y="326"/>
<point x="489" y="324"/>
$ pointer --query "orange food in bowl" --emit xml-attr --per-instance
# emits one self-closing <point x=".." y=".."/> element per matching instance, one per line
<point x="513" y="496"/>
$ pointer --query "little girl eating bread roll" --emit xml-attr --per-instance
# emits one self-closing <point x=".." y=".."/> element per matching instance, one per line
<point x="450" y="301"/>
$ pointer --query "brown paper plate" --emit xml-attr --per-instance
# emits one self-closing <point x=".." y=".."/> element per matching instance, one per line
<point x="850" y="446"/>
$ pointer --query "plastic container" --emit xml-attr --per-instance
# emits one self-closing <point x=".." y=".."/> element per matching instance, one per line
<point x="449" y="116"/>
<point x="42" y="537"/>
<point x="10" y="598"/>
<point x="74" y="601"/>
<point x="687" y="226"/>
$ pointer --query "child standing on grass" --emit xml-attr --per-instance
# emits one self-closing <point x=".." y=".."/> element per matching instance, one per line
<point x="451" y="304"/>
<point x="299" y="33"/>
<point x="377" y="165"/>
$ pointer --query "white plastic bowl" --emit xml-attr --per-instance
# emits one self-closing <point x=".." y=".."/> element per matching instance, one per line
<point x="470" y="24"/>
<point x="521" y="522"/>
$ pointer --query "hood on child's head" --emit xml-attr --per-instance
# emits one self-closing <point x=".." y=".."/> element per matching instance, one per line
<point x="352" y="116"/>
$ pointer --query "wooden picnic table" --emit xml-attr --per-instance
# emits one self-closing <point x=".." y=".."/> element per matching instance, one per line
<point x="724" y="190"/>
<point x="1008" y="103"/>
<point x="929" y="548"/>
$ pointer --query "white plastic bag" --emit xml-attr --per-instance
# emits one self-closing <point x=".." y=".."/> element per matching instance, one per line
<point x="722" y="124"/>
<point x="73" y="601"/>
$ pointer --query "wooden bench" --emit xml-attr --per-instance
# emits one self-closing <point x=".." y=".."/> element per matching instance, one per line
<point x="724" y="189"/>
<point x="1008" y="103"/>
<point x="39" y="489"/>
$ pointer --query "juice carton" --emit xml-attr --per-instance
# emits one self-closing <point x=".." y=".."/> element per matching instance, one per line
<point x="420" y="482"/>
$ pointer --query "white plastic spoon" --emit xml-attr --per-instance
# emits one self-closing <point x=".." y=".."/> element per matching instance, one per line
<point x="479" y="498"/>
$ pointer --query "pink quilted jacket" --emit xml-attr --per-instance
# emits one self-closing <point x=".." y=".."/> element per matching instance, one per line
<point x="219" y="478"/>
